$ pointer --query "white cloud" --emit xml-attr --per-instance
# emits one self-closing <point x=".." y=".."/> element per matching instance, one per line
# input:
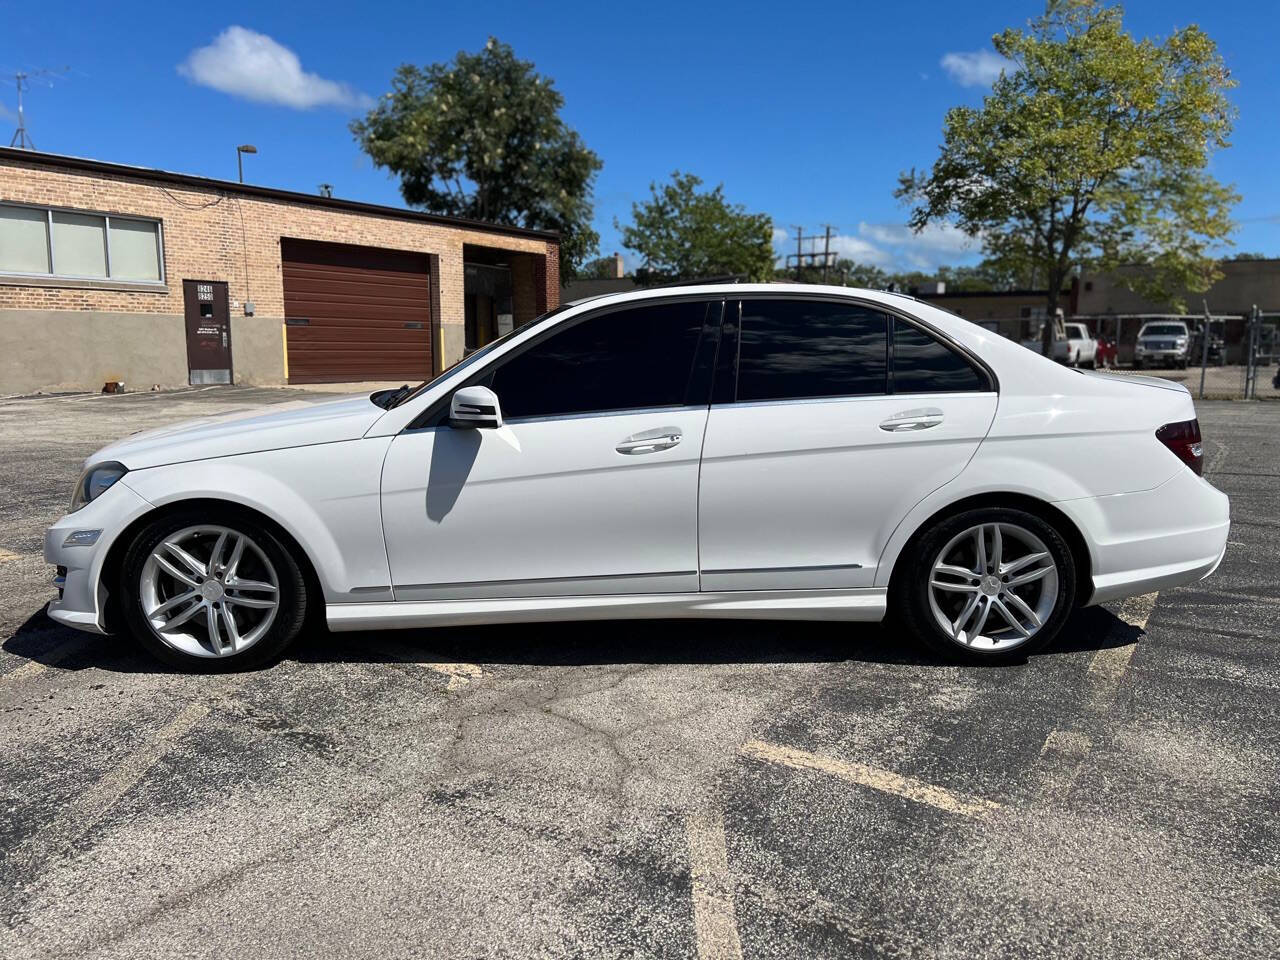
<point x="244" y="63"/>
<point x="893" y="246"/>
<point x="860" y="251"/>
<point x="977" y="68"/>
<point x="937" y="238"/>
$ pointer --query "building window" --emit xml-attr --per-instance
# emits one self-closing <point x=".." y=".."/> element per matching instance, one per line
<point x="35" y="241"/>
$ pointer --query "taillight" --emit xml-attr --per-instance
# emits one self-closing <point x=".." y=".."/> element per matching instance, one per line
<point x="1183" y="438"/>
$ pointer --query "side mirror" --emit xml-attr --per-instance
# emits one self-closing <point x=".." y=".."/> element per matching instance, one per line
<point x="475" y="407"/>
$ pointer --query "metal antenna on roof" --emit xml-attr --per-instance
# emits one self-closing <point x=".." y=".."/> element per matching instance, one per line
<point x="21" y="139"/>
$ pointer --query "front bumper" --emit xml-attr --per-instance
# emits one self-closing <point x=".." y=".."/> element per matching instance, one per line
<point x="1173" y="357"/>
<point x="82" y="595"/>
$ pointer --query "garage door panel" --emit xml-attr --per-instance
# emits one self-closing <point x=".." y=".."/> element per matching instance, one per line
<point x="404" y="285"/>
<point x="408" y="298"/>
<point x="367" y="312"/>
<point x="359" y="338"/>
<point x="353" y="312"/>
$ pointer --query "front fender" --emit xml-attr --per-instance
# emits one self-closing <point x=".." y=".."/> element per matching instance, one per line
<point x="325" y="496"/>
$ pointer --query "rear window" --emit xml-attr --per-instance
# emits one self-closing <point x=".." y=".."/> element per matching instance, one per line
<point x="923" y="364"/>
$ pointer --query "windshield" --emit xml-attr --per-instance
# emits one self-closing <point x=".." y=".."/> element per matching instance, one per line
<point x="474" y="358"/>
<point x="1164" y="330"/>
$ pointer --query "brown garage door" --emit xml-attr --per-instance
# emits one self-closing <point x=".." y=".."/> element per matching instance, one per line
<point x="355" y="313"/>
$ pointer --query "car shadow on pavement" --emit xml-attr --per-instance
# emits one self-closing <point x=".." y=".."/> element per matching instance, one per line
<point x="43" y="641"/>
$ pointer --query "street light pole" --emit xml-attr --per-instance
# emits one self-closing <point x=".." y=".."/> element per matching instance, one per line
<point x="240" y="151"/>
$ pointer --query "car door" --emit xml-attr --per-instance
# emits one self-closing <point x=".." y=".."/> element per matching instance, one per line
<point x="834" y="421"/>
<point x="589" y="487"/>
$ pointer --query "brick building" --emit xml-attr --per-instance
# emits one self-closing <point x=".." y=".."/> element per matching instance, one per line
<point x="111" y="272"/>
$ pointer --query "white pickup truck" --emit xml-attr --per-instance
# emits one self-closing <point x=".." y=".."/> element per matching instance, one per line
<point x="1082" y="349"/>
<point x="1072" y="344"/>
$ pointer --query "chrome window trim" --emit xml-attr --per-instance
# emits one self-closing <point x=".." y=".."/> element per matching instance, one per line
<point x="848" y="398"/>
<point x="619" y="412"/>
<point x="53" y="273"/>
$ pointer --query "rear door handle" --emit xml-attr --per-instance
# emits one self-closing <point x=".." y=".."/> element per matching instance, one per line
<point x="650" y="441"/>
<point x="909" y="420"/>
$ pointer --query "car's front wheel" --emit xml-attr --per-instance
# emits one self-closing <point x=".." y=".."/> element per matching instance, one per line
<point x="987" y="585"/>
<point x="211" y="591"/>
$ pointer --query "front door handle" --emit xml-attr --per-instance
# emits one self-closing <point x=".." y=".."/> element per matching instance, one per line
<point x="650" y="441"/>
<point x="909" y="420"/>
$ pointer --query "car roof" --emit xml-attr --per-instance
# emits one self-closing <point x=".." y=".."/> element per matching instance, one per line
<point x="746" y="289"/>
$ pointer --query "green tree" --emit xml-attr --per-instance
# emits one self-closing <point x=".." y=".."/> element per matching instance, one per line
<point x="1090" y="152"/>
<point x="601" y="268"/>
<point x="682" y="234"/>
<point x="843" y="273"/>
<point x="482" y="137"/>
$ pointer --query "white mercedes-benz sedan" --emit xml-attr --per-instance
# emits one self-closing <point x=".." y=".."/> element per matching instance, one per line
<point x="783" y="451"/>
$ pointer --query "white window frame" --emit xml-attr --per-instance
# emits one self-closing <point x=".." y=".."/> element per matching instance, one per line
<point x="53" y="273"/>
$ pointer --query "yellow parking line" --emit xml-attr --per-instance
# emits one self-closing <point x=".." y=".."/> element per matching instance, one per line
<point x="51" y="659"/>
<point x="885" y="781"/>
<point x="6" y="555"/>
<point x="1108" y="666"/>
<point x="459" y="674"/>
<point x="80" y="815"/>
<point x="714" y="920"/>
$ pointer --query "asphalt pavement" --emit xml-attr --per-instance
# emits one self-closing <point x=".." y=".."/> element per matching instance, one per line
<point x="642" y="789"/>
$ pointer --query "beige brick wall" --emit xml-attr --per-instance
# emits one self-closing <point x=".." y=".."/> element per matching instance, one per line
<point x="210" y="234"/>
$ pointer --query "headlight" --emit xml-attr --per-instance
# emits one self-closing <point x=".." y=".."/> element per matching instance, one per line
<point x="94" y="482"/>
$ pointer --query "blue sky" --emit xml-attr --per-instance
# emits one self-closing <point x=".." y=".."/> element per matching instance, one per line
<point x="806" y="113"/>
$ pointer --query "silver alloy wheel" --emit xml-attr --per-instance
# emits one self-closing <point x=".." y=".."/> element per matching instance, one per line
<point x="993" y="586"/>
<point x="209" y="591"/>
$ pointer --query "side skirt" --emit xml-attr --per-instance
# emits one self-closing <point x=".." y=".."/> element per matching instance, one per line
<point x="867" y="604"/>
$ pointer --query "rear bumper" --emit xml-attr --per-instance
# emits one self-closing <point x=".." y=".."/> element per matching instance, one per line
<point x="1154" y="539"/>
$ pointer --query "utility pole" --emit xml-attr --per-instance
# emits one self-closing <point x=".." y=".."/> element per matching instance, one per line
<point x="799" y="250"/>
<point x="826" y="250"/>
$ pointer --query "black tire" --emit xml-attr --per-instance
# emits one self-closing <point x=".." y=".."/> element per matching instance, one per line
<point x="910" y="594"/>
<point x="292" y="591"/>
<point x="1137" y="364"/>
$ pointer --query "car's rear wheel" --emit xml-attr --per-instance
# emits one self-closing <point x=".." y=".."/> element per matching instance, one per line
<point x="212" y="591"/>
<point x="987" y="585"/>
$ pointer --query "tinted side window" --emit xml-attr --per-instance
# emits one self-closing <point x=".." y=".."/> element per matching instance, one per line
<point x="791" y="349"/>
<point x="922" y="364"/>
<point x="620" y="360"/>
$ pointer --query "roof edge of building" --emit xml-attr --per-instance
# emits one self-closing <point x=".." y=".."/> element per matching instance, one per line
<point x="40" y="158"/>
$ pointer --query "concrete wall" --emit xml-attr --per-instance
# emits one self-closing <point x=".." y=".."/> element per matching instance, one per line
<point x="990" y="306"/>
<point x="61" y="350"/>
<point x="210" y="233"/>
<point x="1244" y="283"/>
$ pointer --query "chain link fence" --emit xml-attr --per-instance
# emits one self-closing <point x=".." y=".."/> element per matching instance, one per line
<point x="1239" y="358"/>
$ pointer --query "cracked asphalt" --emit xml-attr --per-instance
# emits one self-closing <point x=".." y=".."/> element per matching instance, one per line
<point x="642" y="789"/>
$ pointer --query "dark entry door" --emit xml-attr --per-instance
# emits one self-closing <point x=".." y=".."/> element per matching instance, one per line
<point x="208" y="315"/>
